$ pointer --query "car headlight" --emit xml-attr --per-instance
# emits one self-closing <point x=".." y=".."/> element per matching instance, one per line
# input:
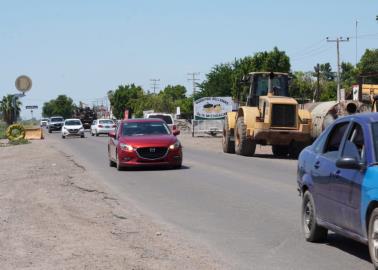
<point x="126" y="147"/>
<point x="176" y="145"/>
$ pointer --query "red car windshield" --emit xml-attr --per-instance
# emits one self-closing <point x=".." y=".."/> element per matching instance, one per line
<point x="144" y="128"/>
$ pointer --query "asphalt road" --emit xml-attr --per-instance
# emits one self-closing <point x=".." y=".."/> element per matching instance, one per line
<point x="247" y="210"/>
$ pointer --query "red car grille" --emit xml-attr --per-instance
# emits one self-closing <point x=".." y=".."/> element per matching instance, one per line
<point x="152" y="152"/>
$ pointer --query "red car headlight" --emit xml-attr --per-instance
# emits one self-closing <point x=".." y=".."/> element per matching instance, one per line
<point x="174" y="146"/>
<point x="126" y="147"/>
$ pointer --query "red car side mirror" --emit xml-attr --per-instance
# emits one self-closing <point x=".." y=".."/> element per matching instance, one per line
<point x="176" y="132"/>
<point x="112" y="134"/>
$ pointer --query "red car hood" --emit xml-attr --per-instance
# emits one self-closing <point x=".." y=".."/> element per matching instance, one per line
<point x="149" y="141"/>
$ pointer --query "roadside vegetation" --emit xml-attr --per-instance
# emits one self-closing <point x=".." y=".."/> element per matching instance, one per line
<point x="222" y="80"/>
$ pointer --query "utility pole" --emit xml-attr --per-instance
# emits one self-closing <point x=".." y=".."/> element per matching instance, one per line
<point x="194" y="80"/>
<point x="338" y="40"/>
<point x="356" y="42"/>
<point x="317" y="91"/>
<point x="154" y="84"/>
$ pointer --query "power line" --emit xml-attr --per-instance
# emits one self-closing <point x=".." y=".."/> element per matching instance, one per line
<point x="194" y="80"/>
<point x="154" y="84"/>
<point x="338" y="40"/>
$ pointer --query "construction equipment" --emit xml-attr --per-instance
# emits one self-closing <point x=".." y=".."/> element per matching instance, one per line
<point x="34" y="133"/>
<point x="270" y="117"/>
<point x="86" y="115"/>
<point x="325" y="113"/>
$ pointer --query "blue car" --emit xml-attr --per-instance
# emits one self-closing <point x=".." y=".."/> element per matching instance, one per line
<point x="338" y="182"/>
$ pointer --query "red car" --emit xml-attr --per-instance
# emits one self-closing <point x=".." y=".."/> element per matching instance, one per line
<point x="144" y="142"/>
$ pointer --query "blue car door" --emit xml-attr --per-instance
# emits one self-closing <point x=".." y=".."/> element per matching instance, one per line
<point x="323" y="166"/>
<point x="346" y="183"/>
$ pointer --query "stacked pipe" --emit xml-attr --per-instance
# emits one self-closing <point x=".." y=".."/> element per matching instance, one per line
<point x="325" y="113"/>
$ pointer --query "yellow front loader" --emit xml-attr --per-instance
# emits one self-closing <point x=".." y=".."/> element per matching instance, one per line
<point x="270" y="117"/>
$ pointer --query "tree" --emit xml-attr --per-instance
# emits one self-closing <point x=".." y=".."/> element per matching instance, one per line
<point x="348" y="76"/>
<point x="369" y="65"/>
<point x="302" y="85"/>
<point x="62" y="106"/>
<point x="126" y="97"/>
<point x="223" y="79"/>
<point x="175" y="92"/>
<point x="219" y="81"/>
<point x="326" y="72"/>
<point x="7" y="109"/>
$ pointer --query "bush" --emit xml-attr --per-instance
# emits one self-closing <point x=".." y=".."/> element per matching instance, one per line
<point x="3" y="128"/>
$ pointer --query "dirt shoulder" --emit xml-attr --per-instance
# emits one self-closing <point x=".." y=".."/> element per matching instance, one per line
<point x="55" y="215"/>
<point x="210" y="143"/>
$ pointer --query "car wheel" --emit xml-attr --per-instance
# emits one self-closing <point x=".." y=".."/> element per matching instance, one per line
<point x="50" y="131"/>
<point x="63" y="137"/>
<point x="82" y="136"/>
<point x="111" y="163"/>
<point x="97" y="133"/>
<point x="118" y="165"/>
<point x="177" y="166"/>
<point x="312" y="231"/>
<point x="373" y="237"/>
<point x="92" y="133"/>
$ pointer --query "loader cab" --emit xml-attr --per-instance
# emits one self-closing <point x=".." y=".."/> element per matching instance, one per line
<point x="264" y="84"/>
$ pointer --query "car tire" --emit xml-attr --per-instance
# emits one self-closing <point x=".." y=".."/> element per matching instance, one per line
<point x="118" y="165"/>
<point x="63" y="137"/>
<point x="243" y="146"/>
<point x="82" y="136"/>
<point x="50" y="131"/>
<point x="111" y="163"/>
<point x="280" y="150"/>
<point x="97" y="133"/>
<point x="92" y="133"/>
<point x="228" y="145"/>
<point x="373" y="237"/>
<point x="311" y="230"/>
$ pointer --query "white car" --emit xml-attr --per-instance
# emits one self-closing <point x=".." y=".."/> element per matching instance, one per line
<point x="44" y="122"/>
<point x="102" y="126"/>
<point x="72" y="127"/>
<point x="164" y="116"/>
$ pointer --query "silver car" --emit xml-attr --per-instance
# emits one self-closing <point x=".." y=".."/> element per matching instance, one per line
<point x="102" y="126"/>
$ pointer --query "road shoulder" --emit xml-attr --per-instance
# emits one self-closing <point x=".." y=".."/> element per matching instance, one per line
<point x="55" y="213"/>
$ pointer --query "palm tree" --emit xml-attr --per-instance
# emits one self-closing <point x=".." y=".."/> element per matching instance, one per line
<point x="7" y="110"/>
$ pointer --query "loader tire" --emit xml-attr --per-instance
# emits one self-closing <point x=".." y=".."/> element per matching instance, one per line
<point x="243" y="146"/>
<point x="296" y="148"/>
<point x="228" y="145"/>
<point x="280" y="150"/>
<point x="15" y="132"/>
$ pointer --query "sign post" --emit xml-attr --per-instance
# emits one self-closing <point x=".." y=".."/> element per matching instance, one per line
<point x="23" y="84"/>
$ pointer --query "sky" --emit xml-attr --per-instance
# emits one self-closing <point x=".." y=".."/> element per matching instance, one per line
<point x="83" y="48"/>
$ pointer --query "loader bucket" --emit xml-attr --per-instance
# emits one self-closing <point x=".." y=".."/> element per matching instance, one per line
<point x="34" y="133"/>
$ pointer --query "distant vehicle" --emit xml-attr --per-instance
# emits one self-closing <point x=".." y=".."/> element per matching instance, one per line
<point x="44" y="122"/>
<point x="102" y="126"/>
<point x="72" y="127"/>
<point x="144" y="142"/>
<point x="163" y="116"/>
<point x="337" y="178"/>
<point x="55" y="123"/>
<point x="86" y="116"/>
